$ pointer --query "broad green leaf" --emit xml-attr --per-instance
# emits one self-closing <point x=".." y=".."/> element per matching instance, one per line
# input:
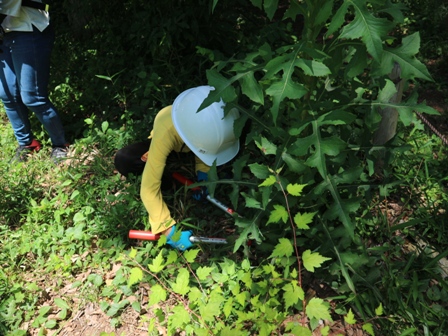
<point x="270" y="7"/>
<point x="266" y="147"/>
<point x="316" y="308"/>
<point x="337" y="117"/>
<point x="157" y="263"/>
<point x="227" y="309"/>
<point x="268" y="182"/>
<point x="313" y="260"/>
<point x="133" y="253"/>
<point x="135" y="276"/>
<point x="212" y="309"/>
<point x="324" y="13"/>
<point x="251" y="202"/>
<point x="279" y="213"/>
<point x="292" y="294"/>
<point x="368" y="28"/>
<point x="61" y="303"/>
<point x="295" y="189"/>
<point x="404" y="55"/>
<point x="303" y="219"/>
<point x="182" y="281"/>
<point x="338" y="19"/>
<point x="250" y="231"/>
<point x="313" y="68"/>
<point x="190" y="255"/>
<point x="246" y="77"/>
<point x="260" y="171"/>
<point x="203" y="272"/>
<point x="283" y="249"/>
<point x="350" y="317"/>
<point x="298" y="330"/>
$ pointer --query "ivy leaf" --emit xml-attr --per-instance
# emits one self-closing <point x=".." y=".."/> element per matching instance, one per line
<point x="135" y="276"/>
<point x="157" y="263"/>
<point x="278" y="214"/>
<point x="302" y="220"/>
<point x="312" y="260"/>
<point x="368" y="327"/>
<point x="182" y="280"/>
<point x="190" y="255"/>
<point x="350" y="317"/>
<point x="293" y="293"/>
<point x="404" y="55"/>
<point x="283" y="249"/>
<point x="180" y="317"/>
<point x="157" y="294"/>
<point x="203" y="272"/>
<point x="295" y="189"/>
<point x="370" y="29"/>
<point x="318" y="309"/>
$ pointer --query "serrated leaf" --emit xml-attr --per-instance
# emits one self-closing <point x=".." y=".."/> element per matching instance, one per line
<point x="295" y="189"/>
<point x="268" y="182"/>
<point x="302" y="220"/>
<point x="182" y="281"/>
<point x="350" y="317"/>
<point x="251" y="202"/>
<point x="260" y="171"/>
<point x="379" y="310"/>
<point x="227" y="309"/>
<point x="278" y="214"/>
<point x="135" y="276"/>
<point x="203" y="272"/>
<point x="190" y="255"/>
<point x="368" y="327"/>
<point x="283" y="249"/>
<point x="157" y="294"/>
<point x="317" y="309"/>
<point x="266" y="147"/>
<point x="292" y="294"/>
<point x="368" y="28"/>
<point x="180" y="317"/>
<point x="313" y="68"/>
<point x="157" y="263"/>
<point x="313" y="260"/>
<point x="404" y="55"/>
<point x="133" y="253"/>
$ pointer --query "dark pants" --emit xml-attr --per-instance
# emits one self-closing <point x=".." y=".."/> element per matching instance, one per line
<point x="128" y="159"/>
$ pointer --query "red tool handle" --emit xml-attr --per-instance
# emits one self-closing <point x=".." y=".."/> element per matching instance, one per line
<point x="182" y="179"/>
<point x="143" y="235"/>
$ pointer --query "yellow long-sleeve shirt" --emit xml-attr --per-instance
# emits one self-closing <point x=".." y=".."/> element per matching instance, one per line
<point x="164" y="140"/>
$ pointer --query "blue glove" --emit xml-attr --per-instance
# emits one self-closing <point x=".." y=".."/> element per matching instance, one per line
<point x="201" y="194"/>
<point x="184" y="241"/>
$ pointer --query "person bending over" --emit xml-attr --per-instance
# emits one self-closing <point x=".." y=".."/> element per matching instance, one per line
<point x="180" y="128"/>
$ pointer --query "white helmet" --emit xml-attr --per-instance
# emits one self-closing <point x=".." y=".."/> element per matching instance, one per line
<point x="207" y="133"/>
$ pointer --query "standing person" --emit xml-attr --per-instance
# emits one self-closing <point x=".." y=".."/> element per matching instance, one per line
<point x="24" y="75"/>
<point x="180" y="128"/>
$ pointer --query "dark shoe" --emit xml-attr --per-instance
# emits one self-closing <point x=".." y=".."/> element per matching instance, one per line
<point x="59" y="153"/>
<point x="22" y="152"/>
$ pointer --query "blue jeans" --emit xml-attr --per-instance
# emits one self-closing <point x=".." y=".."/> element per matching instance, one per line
<point x="24" y="77"/>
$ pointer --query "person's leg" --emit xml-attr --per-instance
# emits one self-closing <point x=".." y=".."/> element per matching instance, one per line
<point x="16" y="111"/>
<point x="128" y="160"/>
<point x="31" y="61"/>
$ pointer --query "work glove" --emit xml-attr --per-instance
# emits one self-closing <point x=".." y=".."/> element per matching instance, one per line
<point x="201" y="193"/>
<point x="182" y="243"/>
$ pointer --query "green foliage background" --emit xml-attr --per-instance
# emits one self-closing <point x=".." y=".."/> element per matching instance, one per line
<point x="311" y="78"/>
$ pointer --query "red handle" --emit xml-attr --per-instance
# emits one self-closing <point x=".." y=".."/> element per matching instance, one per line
<point x="182" y="179"/>
<point x="143" y="235"/>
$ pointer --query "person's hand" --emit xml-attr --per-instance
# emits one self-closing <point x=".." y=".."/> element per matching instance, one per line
<point x="182" y="243"/>
<point x="201" y="193"/>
